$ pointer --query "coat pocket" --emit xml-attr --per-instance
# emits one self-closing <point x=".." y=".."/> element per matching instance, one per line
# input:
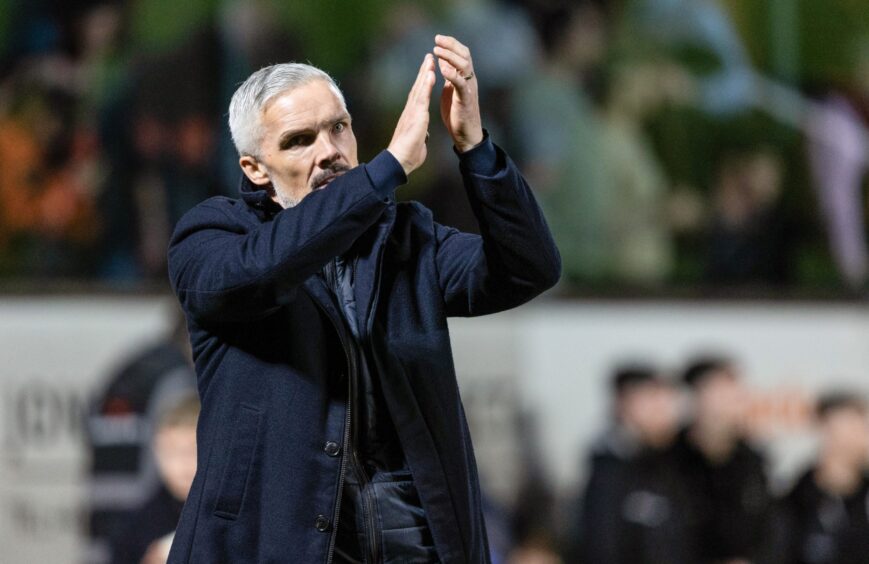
<point x="236" y="472"/>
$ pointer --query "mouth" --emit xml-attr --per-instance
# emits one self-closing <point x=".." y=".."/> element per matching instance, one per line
<point x="325" y="182"/>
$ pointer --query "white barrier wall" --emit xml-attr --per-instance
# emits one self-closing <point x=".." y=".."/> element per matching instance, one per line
<point x="54" y="353"/>
<point x="549" y="361"/>
<point x="565" y="351"/>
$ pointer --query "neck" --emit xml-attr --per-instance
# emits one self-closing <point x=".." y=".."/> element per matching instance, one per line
<point x="716" y="443"/>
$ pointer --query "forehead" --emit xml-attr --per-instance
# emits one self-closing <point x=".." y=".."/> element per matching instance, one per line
<point x="303" y="106"/>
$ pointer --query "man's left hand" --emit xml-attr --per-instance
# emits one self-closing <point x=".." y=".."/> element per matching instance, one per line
<point x="460" y="101"/>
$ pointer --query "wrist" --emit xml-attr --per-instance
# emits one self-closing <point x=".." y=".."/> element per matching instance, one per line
<point x="405" y="166"/>
<point x="481" y="159"/>
<point x="467" y="144"/>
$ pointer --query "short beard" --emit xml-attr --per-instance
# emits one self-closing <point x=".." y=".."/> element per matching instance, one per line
<point x="286" y="201"/>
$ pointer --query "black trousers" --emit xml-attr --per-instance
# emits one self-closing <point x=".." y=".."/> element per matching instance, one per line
<point x="382" y="522"/>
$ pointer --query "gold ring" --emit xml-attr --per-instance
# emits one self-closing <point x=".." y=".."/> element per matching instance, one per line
<point x="470" y="76"/>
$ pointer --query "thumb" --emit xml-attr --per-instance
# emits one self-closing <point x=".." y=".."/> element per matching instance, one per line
<point x="447" y="102"/>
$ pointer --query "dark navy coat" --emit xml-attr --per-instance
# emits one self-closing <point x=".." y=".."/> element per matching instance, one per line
<point x="270" y="354"/>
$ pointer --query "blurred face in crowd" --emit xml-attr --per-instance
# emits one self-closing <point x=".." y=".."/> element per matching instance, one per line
<point x="720" y="400"/>
<point x="845" y="434"/>
<point x="585" y="39"/>
<point x="175" y="450"/>
<point x="307" y="140"/>
<point x="651" y="410"/>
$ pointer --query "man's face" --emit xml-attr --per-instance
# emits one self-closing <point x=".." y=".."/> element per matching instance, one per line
<point x="845" y="432"/>
<point x="721" y="398"/>
<point x="307" y="140"/>
<point x="651" y="410"/>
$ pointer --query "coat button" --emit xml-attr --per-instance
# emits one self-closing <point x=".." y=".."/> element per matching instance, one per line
<point x="331" y="448"/>
<point x="322" y="523"/>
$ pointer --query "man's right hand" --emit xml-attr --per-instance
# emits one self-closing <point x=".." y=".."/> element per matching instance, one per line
<point x="408" y="141"/>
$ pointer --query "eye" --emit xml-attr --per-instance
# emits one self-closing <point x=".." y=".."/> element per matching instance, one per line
<point x="296" y="141"/>
<point x="340" y="127"/>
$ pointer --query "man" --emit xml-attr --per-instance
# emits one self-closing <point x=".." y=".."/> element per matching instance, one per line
<point x="730" y="499"/>
<point x="633" y="508"/>
<point x="331" y="427"/>
<point x="825" y="518"/>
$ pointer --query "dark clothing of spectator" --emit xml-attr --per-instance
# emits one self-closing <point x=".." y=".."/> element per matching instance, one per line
<point x="753" y="253"/>
<point x="820" y="528"/>
<point x="730" y="501"/>
<point x="124" y="475"/>
<point x="634" y="508"/>
<point x="156" y="519"/>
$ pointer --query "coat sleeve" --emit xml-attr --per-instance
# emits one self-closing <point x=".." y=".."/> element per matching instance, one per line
<point x="225" y="268"/>
<point x="514" y="258"/>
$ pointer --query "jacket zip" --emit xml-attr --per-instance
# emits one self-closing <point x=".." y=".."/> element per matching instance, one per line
<point x="351" y="369"/>
<point x="366" y="338"/>
<point x="367" y="498"/>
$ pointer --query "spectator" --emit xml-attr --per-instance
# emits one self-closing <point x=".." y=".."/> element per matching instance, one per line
<point x="749" y="234"/>
<point x="838" y="152"/>
<point x="824" y="517"/>
<point x="725" y="477"/>
<point x="640" y="239"/>
<point x="633" y="511"/>
<point x="123" y="474"/>
<point x="557" y="133"/>
<point x="143" y="539"/>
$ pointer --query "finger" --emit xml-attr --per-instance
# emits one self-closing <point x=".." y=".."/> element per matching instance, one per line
<point x="446" y="100"/>
<point x="425" y="67"/>
<point x="461" y="63"/>
<point x="453" y="44"/>
<point x="426" y="87"/>
<point x="448" y="88"/>
<point x="426" y="81"/>
<point x="419" y="75"/>
<point x="452" y="75"/>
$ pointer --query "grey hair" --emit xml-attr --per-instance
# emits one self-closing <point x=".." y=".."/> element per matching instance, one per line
<point x="248" y="101"/>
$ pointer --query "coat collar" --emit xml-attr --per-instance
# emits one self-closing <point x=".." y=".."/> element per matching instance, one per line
<point x="367" y="251"/>
<point x="257" y="197"/>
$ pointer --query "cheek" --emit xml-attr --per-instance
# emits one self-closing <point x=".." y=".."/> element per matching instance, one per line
<point x="349" y="149"/>
<point x="290" y="174"/>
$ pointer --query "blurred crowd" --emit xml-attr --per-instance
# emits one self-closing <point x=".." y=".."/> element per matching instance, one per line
<point x="677" y="477"/>
<point x="672" y="143"/>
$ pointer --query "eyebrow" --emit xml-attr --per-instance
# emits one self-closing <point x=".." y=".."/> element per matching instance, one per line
<point x="290" y="133"/>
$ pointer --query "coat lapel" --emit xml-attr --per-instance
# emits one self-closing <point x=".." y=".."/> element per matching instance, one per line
<point x="368" y="252"/>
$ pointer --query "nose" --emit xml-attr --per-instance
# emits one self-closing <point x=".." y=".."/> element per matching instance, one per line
<point x="327" y="150"/>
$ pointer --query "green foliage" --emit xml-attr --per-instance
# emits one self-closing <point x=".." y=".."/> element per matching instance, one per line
<point x="160" y="25"/>
<point x="828" y="34"/>
<point x="335" y="33"/>
<point x="6" y="9"/>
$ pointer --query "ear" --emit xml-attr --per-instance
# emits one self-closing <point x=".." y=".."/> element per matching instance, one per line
<point x="254" y="170"/>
